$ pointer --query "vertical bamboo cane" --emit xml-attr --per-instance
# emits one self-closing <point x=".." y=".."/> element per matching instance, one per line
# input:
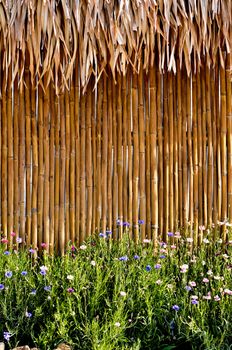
<point x="199" y="149"/>
<point x="89" y="160"/>
<point x="142" y="194"/>
<point x="180" y="169"/>
<point x="77" y="147"/>
<point x="195" y="158"/>
<point x="57" y="172"/>
<point x="223" y="148"/>
<point x="62" y="176"/>
<point x="166" y="157"/>
<point x="104" y="154"/>
<point x="204" y="160"/>
<point x="34" y="195"/>
<point x="22" y="162"/>
<point x="52" y="170"/>
<point x="124" y="131"/>
<point x="115" y="190"/>
<point x="119" y="152"/>
<point x="189" y="152"/>
<point x="67" y="166"/>
<point x="210" y="149"/>
<point x="148" y="157"/>
<point x="175" y="157"/>
<point x="46" y="165"/>
<point x="184" y="152"/>
<point x="229" y="132"/>
<point x="135" y="155"/>
<point x="94" y="158"/>
<point x="109" y="151"/>
<point x="218" y="116"/>
<point x="4" y="157"/>
<point x="28" y="150"/>
<point x="99" y="156"/>
<point x="130" y="193"/>
<point x="171" y="150"/>
<point x="160" y="157"/>
<point x="83" y="169"/>
<point x="41" y="167"/>
<point x="16" y="157"/>
<point x="10" y="173"/>
<point x="72" y="163"/>
<point x="153" y="154"/>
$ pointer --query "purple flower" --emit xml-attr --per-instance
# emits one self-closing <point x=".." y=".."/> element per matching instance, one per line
<point x="47" y="288"/>
<point x="8" y="274"/>
<point x="24" y="273"/>
<point x="108" y="232"/>
<point x="162" y="256"/>
<point x="176" y="308"/>
<point x="170" y="234"/>
<point x="28" y="314"/>
<point x="126" y="224"/>
<point x="188" y="288"/>
<point x="70" y="290"/>
<point x="32" y="251"/>
<point x="157" y="266"/>
<point x="136" y="257"/>
<point x="6" y="335"/>
<point x="148" y="268"/>
<point x="7" y="252"/>
<point x="102" y="235"/>
<point x="141" y="222"/>
<point x="119" y="222"/>
<point x="33" y="292"/>
<point x="123" y="258"/>
<point x="19" y="240"/>
<point x="2" y="286"/>
<point x="194" y="302"/>
<point x="43" y="272"/>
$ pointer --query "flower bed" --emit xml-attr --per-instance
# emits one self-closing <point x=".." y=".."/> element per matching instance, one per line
<point x="116" y="295"/>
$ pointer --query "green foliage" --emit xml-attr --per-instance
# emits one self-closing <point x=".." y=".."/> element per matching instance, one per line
<point x="117" y="295"/>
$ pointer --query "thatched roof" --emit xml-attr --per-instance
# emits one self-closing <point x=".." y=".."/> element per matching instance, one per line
<point x="56" y="34"/>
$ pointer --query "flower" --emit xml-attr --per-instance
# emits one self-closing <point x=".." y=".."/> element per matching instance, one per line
<point x="228" y="291"/>
<point x="209" y="272"/>
<point x="24" y="273"/>
<point x="158" y="282"/>
<point x="19" y="240"/>
<point x="7" y="252"/>
<point x="173" y="246"/>
<point x="47" y="288"/>
<point x="205" y="280"/>
<point x="188" y="288"/>
<point x="158" y="266"/>
<point x="136" y="257"/>
<point x="117" y="324"/>
<point x="217" y="298"/>
<point x="108" y="232"/>
<point x="148" y="268"/>
<point x="93" y="263"/>
<point x="8" y="274"/>
<point x="207" y="297"/>
<point x="33" y="292"/>
<point x="32" y="251"/>
<point x="194" y="302"/>
<point x="70" y="290"/>
<point x="83" y="247"/>
<point x="189" y="239"/>
<point x="123" y="294"/>
<point x="13" y="234"/>
<point x="205" y="240"/>
<point x="43" y="245"/>
<point x="73" y="248"/>
<point x="7" y="335"/>
<point x="146" y="240"/>
<point x="70" y="277"/>
<point x="4" y="240"/>
<point x="43" y="270"/>
<point x="184" y="268"/>
<point x="192" y="284"/>
<point x="194" y="297"/>
<point x="177" y="234"/>
<point x="2" y="286"/>
<point x="141" y="222"/>
<point x="123" y="258"/>
<point x="119" y="222"/>
<point x="162" y="256"/>
<point x="28" y="314"/>
<point x="170" y="234"/>
<point x="176" y="308"/>
<point x="102" y="235"/>
<point x="126" y="224"/>
<point x="201" y="227"/>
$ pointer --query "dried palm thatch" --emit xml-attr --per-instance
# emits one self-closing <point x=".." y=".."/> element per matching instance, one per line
<point x="54" y="33"/>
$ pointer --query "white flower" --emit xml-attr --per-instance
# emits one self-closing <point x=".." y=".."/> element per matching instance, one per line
<point x="217" y="278"/>
<point x="43" y="268"/>
<point x="93" y="263"/>
<point x="83" y="247"/>
<point x="123" y="294"/>
<point x="195" y="297"/>
<point x="217" y="298"/>
<point x="70" y="277"/>
<point x="219" y="241"/>
<point x="203" y="262"/>
<point x="207" y="297"/>
<point x="210" y="272"/>
<point x="146" y="241"/>
<point x="205" y="240"/>
<point x="189" y="240"/>
<point x="228" y="291"/>
<point x="184" y="268"/>
<point x="117" y="324"/>
<point x="225" y="256"/>
<point x="158" y="282"/>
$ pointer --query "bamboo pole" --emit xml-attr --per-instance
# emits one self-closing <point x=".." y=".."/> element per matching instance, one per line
<point x="104" y="155"/>
<point x="210" y="149"/>
<point x="41" y="167"/>
<point x="72" y="162"/>
<point x="52" y="170"/>
<point x="99" y="155"/>
<point x="229" y="132"/>
<point x="171" y="151"/>
<point x="10" y="165"/>
<point x="115" y="188"/>
<point x="94" y="159"/>
<point x="142" y="193"/>
<point x="89" y="184"/>
<point x="214" y="137"/>
<point x="184" y="151"/>
<point x="62" y="177"/>
<point x="204" y="160"/>
<point x="16" y="157"/>
<point x="28" y="150"/>
<point x="166" y="156"/>
<point x="129" y="131"/>
<point x="4" y="157"/>
<point x="218" y="116"/>
<point x="67" y="166"/>
<point x="119" y="153"/>
<point x="135" y="155"/>
<point x="83" y="168"/>
<point x="77" y="148"/>
<point x="148" y="157"/>
<point x="57" y="173"/>
<point x="160" y="157"/>
<point x="124" y="136"/>
<point x="175" y="157"/>
<point x="223" y="149"/>
<point x="195" y="159"/>
<point x="153" y="154"/>
<point x="22" y="163"/>
<point x="109" y="152"/>
<point x="180" y="167"/>
<point x="46" y="164"/>
<point x="199" y="150"/>
<point x="189" y="153"/>
<point x="34" y="191"/>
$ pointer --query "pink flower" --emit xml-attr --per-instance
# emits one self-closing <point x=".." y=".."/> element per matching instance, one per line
<point x="201" y="228"/>
<point x="70" y="290"/>
<point x="217" y="298"/>
<point x="205" y="280"/>
<point x="13" y="234"/>
<point x="228" y="291"/>
<point x="4" y="240"/>
<point x="43" y="245"/>
<point x="192" y="284"/>
<point x="173" y="246"/>
<point x="73" y="248"/>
